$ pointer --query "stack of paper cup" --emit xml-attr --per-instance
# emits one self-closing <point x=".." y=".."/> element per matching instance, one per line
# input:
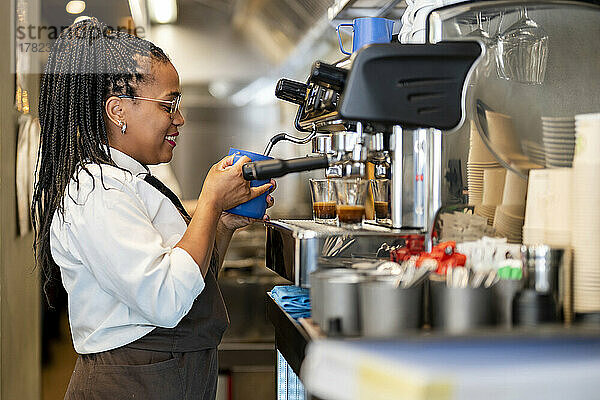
<point x="548" y="209"/>
<point x="493" y="189"/>
<point x="585" y="237"/>
<point x="480" y="159"/>
<point x="515" y="189"/>
<point x="502" y="134"/>
<point x="558" y="208"/>
<point x="559" y="141"/>
<point x="567" y="277"/>
<point x="535" y="152"/>
<point x="510" y="216"/>
<point x="535" y="208"/>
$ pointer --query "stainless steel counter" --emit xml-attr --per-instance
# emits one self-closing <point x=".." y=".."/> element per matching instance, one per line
<point x="296" y="247"/>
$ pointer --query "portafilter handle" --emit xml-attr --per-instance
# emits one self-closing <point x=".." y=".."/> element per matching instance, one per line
<point x="328" y="75"/>
<point x="268" y="169"/>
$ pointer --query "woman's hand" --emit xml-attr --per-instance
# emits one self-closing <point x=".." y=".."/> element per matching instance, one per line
<point x="233" y="222"/>
<point x="225" y="186"/>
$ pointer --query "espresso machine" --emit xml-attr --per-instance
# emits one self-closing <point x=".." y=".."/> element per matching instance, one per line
<point x="393" y="97"/>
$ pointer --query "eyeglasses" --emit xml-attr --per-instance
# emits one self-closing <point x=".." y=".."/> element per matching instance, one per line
<point x="173" y="104"/>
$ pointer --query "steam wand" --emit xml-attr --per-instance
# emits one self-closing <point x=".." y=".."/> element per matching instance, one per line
<point x="284" y="136"/>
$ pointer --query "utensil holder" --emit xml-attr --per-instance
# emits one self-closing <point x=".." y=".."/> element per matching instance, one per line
<point x="460" y="310"/>
<point x="504" y="292"/>
<point x="388" y="310"/>
<point x="334" y="299"/>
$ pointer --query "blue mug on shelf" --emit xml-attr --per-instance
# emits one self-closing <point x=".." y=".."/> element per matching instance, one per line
<point x="256" y="207"/>
<point x="367" y="30"/>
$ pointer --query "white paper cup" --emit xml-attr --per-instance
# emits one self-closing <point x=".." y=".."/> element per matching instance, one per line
<point x="587" y="146"/>
<point x="558" y="208"/>
<point x="478" y="151"/>
<point x="502" y="133"/>
<point x="493" y="185"/>
<point x="535" y="208"/>
<point x="515" y="189"/>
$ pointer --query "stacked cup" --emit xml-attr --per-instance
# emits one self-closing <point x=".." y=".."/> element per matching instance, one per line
<point x="559" y="141"/>
<point x="535" y="152"/>
<point x="480" y="159"/>
<point x="510" y="216"/>
<point x="548" y="208"/>
<point x="535" y="208"/>
<point x="493" y="189"/>
<point x="558" y="208"/>
<point x="586" y="214"/>
<point x="502" y="134"/>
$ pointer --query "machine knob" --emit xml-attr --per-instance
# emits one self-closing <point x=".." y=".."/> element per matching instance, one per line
<point x="292" y="91"/>
<point x="327" y="75"/>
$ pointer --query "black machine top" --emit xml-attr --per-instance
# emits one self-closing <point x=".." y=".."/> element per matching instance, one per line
<point x="412" y="85"/>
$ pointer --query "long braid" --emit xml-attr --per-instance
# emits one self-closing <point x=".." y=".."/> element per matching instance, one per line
<point x="88" y="63"/>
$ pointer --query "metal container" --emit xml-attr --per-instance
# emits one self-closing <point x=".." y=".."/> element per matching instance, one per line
<point x="316" y="292"/>
<point x="541" y="268"/>
<point x="542" y="273"/>
<point x="504" y="292"/>
<point x="460" y="310"/>
<point x="340" y="305"/>
<point x="387" y="309"/>
<point x="532" y="308"/>
<point x="334" y="300"/>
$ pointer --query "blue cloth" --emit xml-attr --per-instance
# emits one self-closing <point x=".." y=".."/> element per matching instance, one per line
<point x="293" y="299"/>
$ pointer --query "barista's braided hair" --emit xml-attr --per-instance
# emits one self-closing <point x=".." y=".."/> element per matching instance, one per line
<point x="88" y="63"/>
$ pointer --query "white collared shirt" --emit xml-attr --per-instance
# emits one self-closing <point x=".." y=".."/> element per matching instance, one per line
<point x="115" y="249"/>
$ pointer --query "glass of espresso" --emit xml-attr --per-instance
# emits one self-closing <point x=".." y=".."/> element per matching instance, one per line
<point x="323" y="200"/>
<point x="350" y="195"/>
<point x="381" y="200"/>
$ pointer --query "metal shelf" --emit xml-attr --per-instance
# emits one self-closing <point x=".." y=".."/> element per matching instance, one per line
<point x="347" y="10"/>
<point x="290" y="338"/>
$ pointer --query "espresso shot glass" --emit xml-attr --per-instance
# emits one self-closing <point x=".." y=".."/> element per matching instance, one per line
<point x="323" y="201"/>
<point x="381" y="200"/>
<point x="351" y="195"/>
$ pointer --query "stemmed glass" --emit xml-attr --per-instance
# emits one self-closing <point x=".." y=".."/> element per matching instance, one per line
<point x="482" y="34"/>
<point x="479" y="31"/>
<point x="522" y="51"/>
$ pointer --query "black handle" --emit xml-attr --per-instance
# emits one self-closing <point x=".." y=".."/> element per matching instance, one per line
<point x="328" y="75"/>
<point x="292" y="91"/>
<point x="275" y="168"/>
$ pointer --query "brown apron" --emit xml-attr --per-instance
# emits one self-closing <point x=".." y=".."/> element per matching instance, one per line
<point x="168" y="363"/>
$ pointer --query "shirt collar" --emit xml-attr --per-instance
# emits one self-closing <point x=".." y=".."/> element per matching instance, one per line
<point x="124" y="161"/>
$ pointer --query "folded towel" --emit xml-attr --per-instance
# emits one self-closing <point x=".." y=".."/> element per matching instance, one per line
<point x="302" y="314"/>
<point x="288" y="292"/>
<point x="293" y="299"/>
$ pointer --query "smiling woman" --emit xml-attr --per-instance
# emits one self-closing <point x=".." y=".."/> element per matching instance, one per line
<point x="153" y="117"/>
<point x="145" y="309"/>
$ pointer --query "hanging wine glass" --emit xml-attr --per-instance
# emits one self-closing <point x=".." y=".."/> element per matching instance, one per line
<point x="481" y="32"/>
<point x="494" y="30"/>
<point x="522" y="51"/>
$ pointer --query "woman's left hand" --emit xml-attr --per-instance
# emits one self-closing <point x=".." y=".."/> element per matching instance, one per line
<point x="233" y="222"/>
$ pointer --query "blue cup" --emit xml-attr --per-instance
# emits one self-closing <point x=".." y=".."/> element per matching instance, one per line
<point x="367" y="30"/>
<point x="256" y="207"/>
